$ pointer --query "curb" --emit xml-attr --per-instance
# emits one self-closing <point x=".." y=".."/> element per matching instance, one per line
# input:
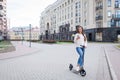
<point x="112" y="72"/>
<point x="18" y="56"/>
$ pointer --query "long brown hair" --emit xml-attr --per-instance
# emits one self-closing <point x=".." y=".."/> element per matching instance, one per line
<point x="83" y="33"/>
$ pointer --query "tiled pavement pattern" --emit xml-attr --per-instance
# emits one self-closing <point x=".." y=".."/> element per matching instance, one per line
<point x="51" y="63"/>
<point x="114" y="57"/>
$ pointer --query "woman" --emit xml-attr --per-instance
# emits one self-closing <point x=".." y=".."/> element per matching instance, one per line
<point x="80" y="40"/>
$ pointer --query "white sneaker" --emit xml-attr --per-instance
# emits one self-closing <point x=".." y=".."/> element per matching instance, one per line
<point x="77" y="68"/>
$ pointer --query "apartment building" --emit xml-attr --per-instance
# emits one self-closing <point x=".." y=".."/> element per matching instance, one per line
<point x="73" y="12"/>
<point x="93" y="15"/>
<point x="107" y="15"/>
<point x="3" y="20"/>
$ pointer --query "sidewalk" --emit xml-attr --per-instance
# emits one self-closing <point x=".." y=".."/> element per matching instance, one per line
<point x="21" y="50"/>
<point x="114" y="58"/>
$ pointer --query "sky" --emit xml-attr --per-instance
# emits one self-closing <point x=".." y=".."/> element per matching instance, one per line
<point x="25" y="12"/>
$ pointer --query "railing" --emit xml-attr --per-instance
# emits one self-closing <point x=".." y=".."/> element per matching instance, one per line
<point x="99" y="17"/>
<point x="1" y="15"/>
<point x="117" y="16"/>
<point x="117" y="5"/>
<point x="99" y="7"/>
<point x="1" y="7"/>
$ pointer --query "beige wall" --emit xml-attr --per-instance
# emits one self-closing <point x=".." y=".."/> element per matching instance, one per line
<point x="34" y="35"/>
<point x="14" y="36"/>
<point x="26" y="34"/>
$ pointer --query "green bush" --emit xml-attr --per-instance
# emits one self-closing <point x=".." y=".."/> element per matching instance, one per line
<point x="49" y="41"/>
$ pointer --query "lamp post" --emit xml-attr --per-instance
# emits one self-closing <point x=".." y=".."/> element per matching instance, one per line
<point x="30" y="35"/>
<point x="22" y="34"/>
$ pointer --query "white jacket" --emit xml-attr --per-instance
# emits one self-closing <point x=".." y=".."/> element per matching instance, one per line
<point x="80" y="41"/>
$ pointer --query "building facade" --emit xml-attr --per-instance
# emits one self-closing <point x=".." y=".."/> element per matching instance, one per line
<point x="3" y="19"/>
<point x="24" y="33"/>
<point x="91" y="14"/>
<point x="73" y="12"/>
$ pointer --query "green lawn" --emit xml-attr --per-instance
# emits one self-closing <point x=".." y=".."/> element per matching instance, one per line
<point x="4" y="44"/>
<point x="64" y="42"/>
<point x="118" y="46"/>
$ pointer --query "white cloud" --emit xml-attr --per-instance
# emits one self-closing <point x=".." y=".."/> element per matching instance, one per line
<point x="22" y="13"/>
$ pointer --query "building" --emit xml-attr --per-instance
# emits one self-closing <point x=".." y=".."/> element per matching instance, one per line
<point x="35" y="34"/>
<point x="24" y="33"/>
<point x="14" y="35"/>
<point x="3" y="19"/>
<point x="73" y="12"/>
<point x="97" y="17"/>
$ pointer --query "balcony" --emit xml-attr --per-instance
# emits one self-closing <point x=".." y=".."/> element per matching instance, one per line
<point x="1" y="15"/>
<point x="99" y="7"/>
<point x="117" y="5"/>
<point x="99" y="17"/>
<point x="1" y="7"/>
<point x="116" y="16"/>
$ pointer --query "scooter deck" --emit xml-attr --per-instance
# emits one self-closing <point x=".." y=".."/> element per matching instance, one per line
<point x="81" y="72"/>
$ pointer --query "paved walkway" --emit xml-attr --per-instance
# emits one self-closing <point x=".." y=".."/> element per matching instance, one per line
<point x="114" y="57"/>
<point x="21" y="49"/>
<point x="51" y="61"/>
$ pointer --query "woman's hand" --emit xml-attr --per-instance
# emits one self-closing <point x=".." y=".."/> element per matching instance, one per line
<point x="77" y="37"/>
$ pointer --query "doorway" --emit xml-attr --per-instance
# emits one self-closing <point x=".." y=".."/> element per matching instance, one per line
<point x="90" y="37"/>
<point x="118" y="35"/>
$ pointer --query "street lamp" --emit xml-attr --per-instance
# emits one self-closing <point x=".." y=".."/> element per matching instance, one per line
<point x="30" y="35"/>
<point x="22" y="34"/>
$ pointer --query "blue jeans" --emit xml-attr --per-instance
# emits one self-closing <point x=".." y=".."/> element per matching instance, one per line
<point x="81" y="52"/>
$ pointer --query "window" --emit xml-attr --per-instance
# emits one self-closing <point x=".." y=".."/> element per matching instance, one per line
<point x="65" y="3"/>
<point x="65" y="17"/>
<point x="76" y="4"/>
<point x="71" y="21"/>
<point x="85" y="23"/>
<point x="68" y="16"/>
<point x="1" y="7"/>
<point x="117" y="3"/>
<point x="109" y="23"/>
<point x="85" y="14"/>
<point x="62" y="5"/>
<point x="68" y="1"/>
<point x="71" y="28"/>
<point x="109" y="3"/>
<point x="68" y="9"/>
<point x="79" y="14"/>
<point x="85" y="4"/>
<point x="117" y="13"/>
<point x="76" y="20"/>
<point x="79" y="5"/>
<point x="71" y="1"/>
<point x="71" y="14"/>
<point x="76" y="14"/>
<point x="65" y="10"/>
<point x="109" y="13"/>
<point x="71" y="7"/>
<point x="117" y="23"/>
<point x="79" y="20"/>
